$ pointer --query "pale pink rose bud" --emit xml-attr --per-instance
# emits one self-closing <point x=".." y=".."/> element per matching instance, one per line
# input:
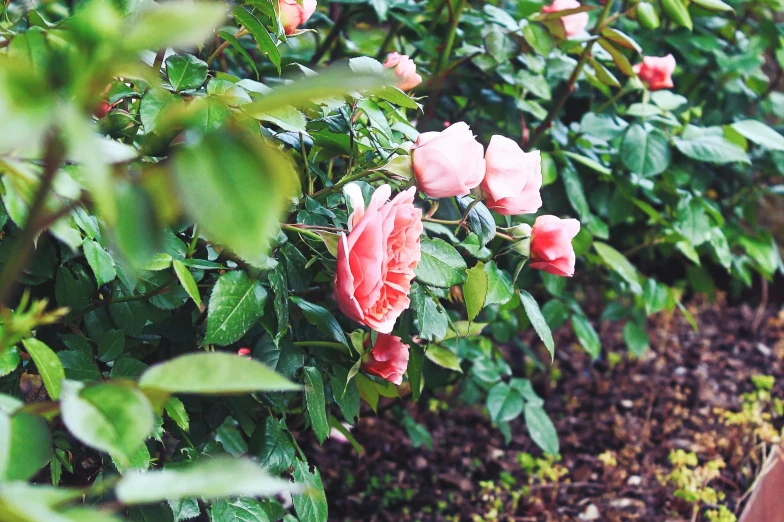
<point x="376" y="260"/>
<point x="513" y="178"/>
<point x="448" y="163"/>
<point x="292" y="14"/>
<point x="573" y="24"/>
<point x="551" y="245"/>
<point x="656" y="72"/>
<point x="405" y="70"/>
<point x="388" y="359"/>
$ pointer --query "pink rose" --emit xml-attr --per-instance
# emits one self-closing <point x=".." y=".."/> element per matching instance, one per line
<point x="551" y="245"/>
<point x="376" y="260"/>
<point x="405" y="70"/>
<point x="292" y="14"/>
<point x="388" y="359"/>
<point x="448" y="163"/>
<point x="513" y="178"/>
<point x="244" y="352"/>
<point x="656" y="72"/>
<point x="573" y="24"/>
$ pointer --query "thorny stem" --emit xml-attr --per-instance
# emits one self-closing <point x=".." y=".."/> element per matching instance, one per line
<point x="53" y="156"/>
<point x="239" y="34"/>
<point x="558" y="105"/>
<point x="343" y="181"/>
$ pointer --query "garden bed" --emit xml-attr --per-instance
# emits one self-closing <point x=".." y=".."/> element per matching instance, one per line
<point x="618" y="421"/>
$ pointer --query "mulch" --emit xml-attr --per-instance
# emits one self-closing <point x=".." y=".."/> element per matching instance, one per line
<point x="618" y="419"/>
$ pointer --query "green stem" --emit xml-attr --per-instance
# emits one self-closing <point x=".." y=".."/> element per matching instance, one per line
<point x="443" y="59"/>
<point x="390" y="35"/>
<point x="301" y="231"/>
<point x="618" y="95"/>
<point x="194" y="241"/>
<point x="558" y="105"/>
<point x="242" y="32"/>
<point x="332" y="36"/>
<point x="127" y="299"/>
<point x="343" y="181"/>
<point x="320" y="344"/>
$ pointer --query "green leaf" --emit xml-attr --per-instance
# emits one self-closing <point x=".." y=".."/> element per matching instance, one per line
<point x="216" y="373"/>
<point x="236" y="187"/>
<point x="479" y="220"/>
<point x="761" y="134"/>
<point x="49" y="366"/>
<point x="263" y="39"/>
<point x="677" y="11"/>
<point x="316" y="402"/>
<point x="311" y="506"/>
<point x="111" y="345"/>
<point x="667" y="100"/>
<point x="587" y="335"/>
<point x="646" y="153"/>
<point x="109" y="417"/>
<point x="210" y="478"/>
<point x="618" y="57"/>
<point x="441" y="265"/>
<point x="499" y="285"/>
<point x="185" y="71"/>
<point x="25" y="446"/>
<point x="240" y="49"/>
<point x="443" y="357"/>
<point x="100" y="261"/>
<point x="322" y="318"/>
<point x="185" y="509"/>
<point x="9" y="360"/>
<point x="713" y="5"/>
<point x="283" y="357"/>
<point x="504" y="402"/>
<point x="236" y="303"/>
<point x="537" y="321"/>
<point x="575" y="192"/>
<point x="430" y="317"/>
<point x="73" y="289"/>
<point x="636" y="338"/>
<point x="238" y="510"/>
<point x="174" y="24"/>
<point x="538" y="37"/>
<point x="475" y="290"/>
<point x="278" y="282"/>
<point x="618" y="262"/>
<point x="272" y="446"/>
<point x="187" y="281"/>
<point x="175" y="409"/>
<point x="712" y="149"/>
<point x="78" y="366"/>
<point x="541" y="428"/>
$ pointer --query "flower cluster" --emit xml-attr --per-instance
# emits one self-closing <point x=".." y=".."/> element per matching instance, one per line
<point x="377" y="258"/>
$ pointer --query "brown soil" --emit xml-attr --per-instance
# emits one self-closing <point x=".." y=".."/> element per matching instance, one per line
<point x="635" y="411"/>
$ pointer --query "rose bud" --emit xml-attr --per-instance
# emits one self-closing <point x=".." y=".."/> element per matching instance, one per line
<point x="551" y="245"/>
<point x="388" y="359"/>
<point x="293" y="14"/>
<point x="656" y="72"/>
<point x="573" y="24"/>
<point x="376" y="260"/>
<point x="405" y="70"/>
<point x="513" y="178"/>
<point x="448" y="163"/>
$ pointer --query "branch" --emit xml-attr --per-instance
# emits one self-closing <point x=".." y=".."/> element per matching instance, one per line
<point x="558" y="105"/>
<point x="239" y="34"/>
<point x="53" y="156"/>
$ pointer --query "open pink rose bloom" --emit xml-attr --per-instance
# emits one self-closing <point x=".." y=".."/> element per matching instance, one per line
<point x="376" y="260"/>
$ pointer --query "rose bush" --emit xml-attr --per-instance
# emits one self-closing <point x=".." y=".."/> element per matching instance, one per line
<point x="255" y="232"/>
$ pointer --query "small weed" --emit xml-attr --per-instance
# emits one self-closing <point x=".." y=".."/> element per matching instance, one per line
<point x="691" y="482"/>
